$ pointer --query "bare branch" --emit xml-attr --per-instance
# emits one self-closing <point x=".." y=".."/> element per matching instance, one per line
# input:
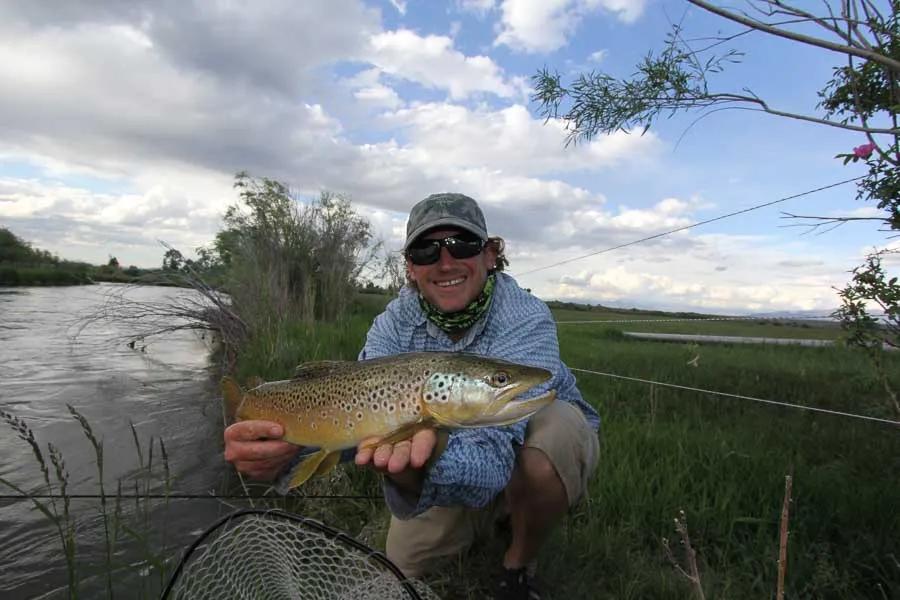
<point x="799" y="37"/>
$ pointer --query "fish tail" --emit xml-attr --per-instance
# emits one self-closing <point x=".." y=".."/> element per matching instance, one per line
<point x="232" y="394"/>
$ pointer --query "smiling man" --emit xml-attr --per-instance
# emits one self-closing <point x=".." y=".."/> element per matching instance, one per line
<point x="444" y="491"/>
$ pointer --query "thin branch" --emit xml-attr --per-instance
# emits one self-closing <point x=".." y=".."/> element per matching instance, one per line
<point x="780" y="113"/>
<point x="783" y="538"/>
<point x="799" y="37"/>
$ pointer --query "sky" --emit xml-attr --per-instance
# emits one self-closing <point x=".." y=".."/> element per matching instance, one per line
<point x="122" y="125"/>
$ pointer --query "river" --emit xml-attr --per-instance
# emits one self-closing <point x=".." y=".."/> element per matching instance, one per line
<point x="164" y="386"/>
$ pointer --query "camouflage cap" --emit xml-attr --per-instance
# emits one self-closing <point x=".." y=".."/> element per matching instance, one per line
<point x="445" y="210"/>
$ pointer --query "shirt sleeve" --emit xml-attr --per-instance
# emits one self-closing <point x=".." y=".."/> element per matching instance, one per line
<point x="382" y="338"/>
<point x="477" y="463"/>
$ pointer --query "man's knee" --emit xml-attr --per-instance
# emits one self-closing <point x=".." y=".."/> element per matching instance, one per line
<point x="535" y="480"/>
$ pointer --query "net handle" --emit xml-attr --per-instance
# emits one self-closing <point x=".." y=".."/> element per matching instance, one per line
<point x="322" y="528"/>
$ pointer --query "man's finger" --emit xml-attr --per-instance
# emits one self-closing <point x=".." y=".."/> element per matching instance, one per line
<point x="399" y="457"/>
<point x="250" y="451"/>
<point x="423" y="443"/>
<point x="382" y="455"/>
<point x="364" y="456"/>
<point x="245" y="431"/>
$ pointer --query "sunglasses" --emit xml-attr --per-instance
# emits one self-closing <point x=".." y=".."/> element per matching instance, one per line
<point x="460" y="246"/>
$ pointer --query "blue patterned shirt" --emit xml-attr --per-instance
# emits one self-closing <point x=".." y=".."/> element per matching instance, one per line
<point x="477" y="463"/>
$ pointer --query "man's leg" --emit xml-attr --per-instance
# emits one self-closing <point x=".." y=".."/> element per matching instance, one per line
<point x="551" y="474"/>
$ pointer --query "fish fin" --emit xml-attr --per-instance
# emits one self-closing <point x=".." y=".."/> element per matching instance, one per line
<point x="403" y="433"/>
<point x="316" y="368"/>
<point x="232" y="395"/>
<point x="255" y="382"/>
<point x="328" y="463"/>
<point x="302" y="471"/>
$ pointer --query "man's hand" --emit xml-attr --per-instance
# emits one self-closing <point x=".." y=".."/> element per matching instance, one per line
<point x="256" y="450"/>
<point x="403" y="461"/>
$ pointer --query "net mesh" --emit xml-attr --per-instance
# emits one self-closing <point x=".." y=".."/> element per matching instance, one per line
<point x="274" y="554"/>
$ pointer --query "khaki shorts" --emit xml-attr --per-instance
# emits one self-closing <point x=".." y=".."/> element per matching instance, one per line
<point x="560" y="431"/>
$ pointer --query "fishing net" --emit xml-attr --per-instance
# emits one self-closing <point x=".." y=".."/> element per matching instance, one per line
<point x="273" y="554"/>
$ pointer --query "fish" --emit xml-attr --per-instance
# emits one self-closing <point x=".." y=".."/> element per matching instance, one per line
<point x="335" y="405"/>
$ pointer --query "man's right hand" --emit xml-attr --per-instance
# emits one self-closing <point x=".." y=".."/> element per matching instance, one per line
<point x="402" y="462"/>
<point x="256" y="449"/>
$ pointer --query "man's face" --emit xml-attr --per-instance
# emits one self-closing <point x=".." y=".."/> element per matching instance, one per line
<point x="451" y="284"/>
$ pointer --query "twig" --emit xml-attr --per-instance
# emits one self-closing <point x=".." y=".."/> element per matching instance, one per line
<point x="693" y="573"/>
<point x="782" y="545"/>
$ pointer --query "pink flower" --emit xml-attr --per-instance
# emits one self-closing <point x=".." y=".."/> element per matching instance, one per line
<point x="864" y="151"/>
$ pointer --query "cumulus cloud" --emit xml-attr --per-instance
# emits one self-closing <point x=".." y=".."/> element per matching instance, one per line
<point x="433" y="62"/>
<point x="545" y="25"/>
<point x="512" y="140"/>
<point x="753" y="280"/>
<point x="59" y="218"/>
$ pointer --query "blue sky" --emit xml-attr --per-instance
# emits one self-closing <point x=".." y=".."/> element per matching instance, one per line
<point x="124" y="123"/>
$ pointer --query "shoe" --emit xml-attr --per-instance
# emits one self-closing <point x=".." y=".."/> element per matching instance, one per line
<point x="516" y="584"/>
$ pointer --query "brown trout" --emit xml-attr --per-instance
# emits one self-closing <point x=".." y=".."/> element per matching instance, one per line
<point x="334" y="405"/>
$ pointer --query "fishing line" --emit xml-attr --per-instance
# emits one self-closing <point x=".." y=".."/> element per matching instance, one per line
<point x="686" y="227"/>
<point x="700" y="320"/>
<point x="182" y="497"/>
<point x="742" y="397"/>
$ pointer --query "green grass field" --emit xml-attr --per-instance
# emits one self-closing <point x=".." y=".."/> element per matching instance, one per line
<point x="626" y="321"/>
<point x="722" y="461"/>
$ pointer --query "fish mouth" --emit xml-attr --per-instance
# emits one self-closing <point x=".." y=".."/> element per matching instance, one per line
<point x="511" y="411"/>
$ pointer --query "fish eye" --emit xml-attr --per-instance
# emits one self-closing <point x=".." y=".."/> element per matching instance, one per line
<point x="500" y="378"/>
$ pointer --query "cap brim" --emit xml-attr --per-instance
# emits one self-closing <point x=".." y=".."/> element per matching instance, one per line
<point x="444" y="222"/>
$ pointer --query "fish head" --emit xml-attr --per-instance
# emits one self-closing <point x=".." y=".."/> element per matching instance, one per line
<point x="474" y="391"/>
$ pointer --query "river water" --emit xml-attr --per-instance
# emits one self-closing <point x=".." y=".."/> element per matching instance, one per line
<point x="164" y="386"/>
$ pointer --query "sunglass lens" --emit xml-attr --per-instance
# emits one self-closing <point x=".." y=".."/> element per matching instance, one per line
<point x="424" y="254"/>
<point x="462" y="249"/>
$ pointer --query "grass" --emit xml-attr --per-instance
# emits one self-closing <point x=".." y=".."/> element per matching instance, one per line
<point x="722" y="461"/>
<point x="655" y="323"/>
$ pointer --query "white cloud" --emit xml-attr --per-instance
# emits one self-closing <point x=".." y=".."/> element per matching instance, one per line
<point x="760" y="283"/>
<point x="478" y="7"/>
<point x="400" y="5"/>
<point x="78" y="223"/>
<point x="512" y="141"/>
<point x="545" y="25"/>
<point x="433" y="62"/>
<point x="598" y="56"/>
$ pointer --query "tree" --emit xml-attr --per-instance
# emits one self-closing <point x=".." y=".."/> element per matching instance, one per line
<point x="863" y="96"/>
<point x="113" y="263"/>
<point x="172" y="260"/>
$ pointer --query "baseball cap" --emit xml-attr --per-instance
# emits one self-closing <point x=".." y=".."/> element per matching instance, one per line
<point x="445" y="210"/>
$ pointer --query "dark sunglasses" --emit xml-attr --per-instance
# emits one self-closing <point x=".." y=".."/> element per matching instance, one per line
<point x="427" y="252"/>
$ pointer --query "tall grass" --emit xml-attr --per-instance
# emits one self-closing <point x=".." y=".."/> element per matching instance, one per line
<point x="53" y="499"/>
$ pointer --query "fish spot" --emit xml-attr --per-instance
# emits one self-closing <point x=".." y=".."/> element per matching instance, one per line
<point x="359" y="416"/>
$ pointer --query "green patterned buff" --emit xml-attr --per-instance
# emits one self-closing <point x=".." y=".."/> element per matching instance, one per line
<point x="461" y="320"/>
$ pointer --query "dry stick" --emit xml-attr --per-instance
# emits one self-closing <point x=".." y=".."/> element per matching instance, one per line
<point x="693" y="573"/>
<point x="782" y="546"/>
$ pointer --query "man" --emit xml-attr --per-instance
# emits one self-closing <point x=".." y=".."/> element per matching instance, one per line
<point x="443" y="494"/>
